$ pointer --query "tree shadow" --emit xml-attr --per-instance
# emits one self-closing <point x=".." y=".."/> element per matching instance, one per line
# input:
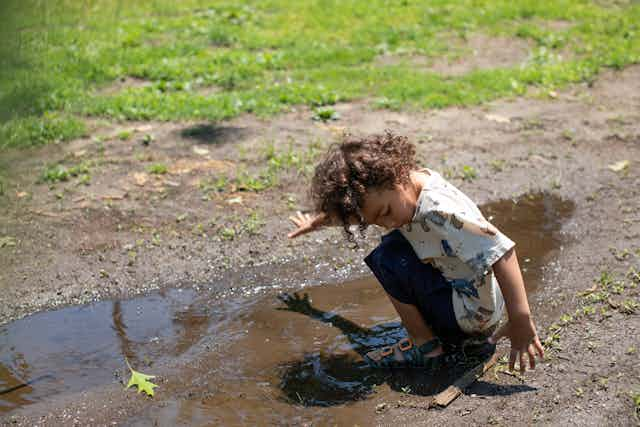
<point x="207" y="133"/>
<point x="327" y="380"/>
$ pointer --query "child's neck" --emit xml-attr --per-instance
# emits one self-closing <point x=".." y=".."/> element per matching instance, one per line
<point x="418" y="181"/>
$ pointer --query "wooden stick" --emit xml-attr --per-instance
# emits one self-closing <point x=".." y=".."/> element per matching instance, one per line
<point x="447" y="396"/>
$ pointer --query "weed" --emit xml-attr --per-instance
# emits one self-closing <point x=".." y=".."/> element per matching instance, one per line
<point x="253" y="224"/>
<point x="498" y="165"/>
<point x="55" y="173"/>
<point x="218" y="184"/>
<point x="124" y="135"/>
<point x="58" y="173"/>
<point x="227" y="233"/>
<point x="629" y="306"/>
<point x="325" y="114"/>
<point x="468" y="173"/>
<point x="84" y="179"/>
<point x="157" y="169"/>
<point x="635" y="398"/>
<point x="246" y="182"/>
<point x="387" y="104"/>
<point x="147" y="139"/>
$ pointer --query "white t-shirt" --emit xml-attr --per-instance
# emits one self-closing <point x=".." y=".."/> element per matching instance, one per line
<point x="449" y="231"/>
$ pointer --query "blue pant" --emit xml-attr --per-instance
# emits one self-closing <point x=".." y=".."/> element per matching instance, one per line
<point x="410" y="281"/>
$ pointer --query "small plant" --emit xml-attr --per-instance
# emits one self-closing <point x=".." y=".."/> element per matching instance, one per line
<point x="629" y="306"/>
<point x="227" y="233"/>
<point x="498" y="165"/>
<point x="210" y="185"/>
<point x="59" y="173"/>
<point x="147" y="139"/>
<point x="325" y="114"/>
<point x="55" y="173"/>
<point x="124" y="135"/>
<point x="157" y="169"/>
<point x="253" y="224"/>
<point x="468" y="173"/>
<point x="387" y="104"/>
<point x="635" y="397"/>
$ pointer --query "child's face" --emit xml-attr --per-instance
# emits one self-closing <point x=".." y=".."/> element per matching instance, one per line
<point x="390" y="208"/>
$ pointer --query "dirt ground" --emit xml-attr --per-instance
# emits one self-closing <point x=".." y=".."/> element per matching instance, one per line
<point x="130" y="231"/>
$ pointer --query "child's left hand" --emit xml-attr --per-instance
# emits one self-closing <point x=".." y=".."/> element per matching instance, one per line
<point x="524" y="340"/>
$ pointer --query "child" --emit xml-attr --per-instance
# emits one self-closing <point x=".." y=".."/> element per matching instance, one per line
<point x="442" y="262"/>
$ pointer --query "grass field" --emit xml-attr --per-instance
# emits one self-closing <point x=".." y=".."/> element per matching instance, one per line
<point x="62" y="61"/>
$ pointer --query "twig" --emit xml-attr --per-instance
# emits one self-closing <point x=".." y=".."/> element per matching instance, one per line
<point x="447" y="396"/>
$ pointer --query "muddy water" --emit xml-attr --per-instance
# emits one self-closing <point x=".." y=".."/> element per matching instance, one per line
<point x="254" y="357"/>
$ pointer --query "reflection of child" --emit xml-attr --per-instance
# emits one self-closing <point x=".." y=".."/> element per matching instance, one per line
<point x="444" y="267"/>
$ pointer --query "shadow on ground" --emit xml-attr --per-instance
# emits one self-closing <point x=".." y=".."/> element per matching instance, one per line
<point x="206" y="133"/>
<point x="327" y="380"/>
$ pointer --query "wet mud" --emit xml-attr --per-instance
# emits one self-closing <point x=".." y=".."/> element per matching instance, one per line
<point x="262" y="356"/>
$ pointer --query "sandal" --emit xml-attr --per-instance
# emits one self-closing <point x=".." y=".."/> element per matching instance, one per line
<point x="410" y="355"/>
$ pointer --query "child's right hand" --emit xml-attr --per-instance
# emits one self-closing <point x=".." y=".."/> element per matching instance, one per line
<point x="306" y="223"/>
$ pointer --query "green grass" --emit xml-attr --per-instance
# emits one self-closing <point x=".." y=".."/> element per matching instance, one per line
<point x="203" y="59"/>
<point x="157" y="169"/>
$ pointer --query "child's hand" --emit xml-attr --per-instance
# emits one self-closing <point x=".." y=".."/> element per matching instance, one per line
<point x="524" y="339"/>
<point x="306" y="223"/>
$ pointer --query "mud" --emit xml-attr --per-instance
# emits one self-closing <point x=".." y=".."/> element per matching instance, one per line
<point x="76" y="249"/>
<point x="266" y="354"/>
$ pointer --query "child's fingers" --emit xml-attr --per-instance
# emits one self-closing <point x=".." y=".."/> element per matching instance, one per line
<point x="538" y="346"/>
<point x="512" y="359"/>
<point x="523" y="364"/>
<point x="532" y="357"/>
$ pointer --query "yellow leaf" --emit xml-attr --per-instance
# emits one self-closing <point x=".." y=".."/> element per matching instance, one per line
<point x="141" y="380"/>
<point x="497" y="118"/>
<point x="619" y="166"/>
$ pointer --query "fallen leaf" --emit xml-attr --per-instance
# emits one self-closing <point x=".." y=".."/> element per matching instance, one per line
<point x="172" y="183"/>
<point x="7" y="241"/>
<point x="235" y="200"/>
<point x="141" y="381"/>
<point x="143" y="128"/>
<point x="79" y="153"/>
<point x="185" y="166"/>
<point x="114" y="196"/>
<point x="21" y="194"/>
<point x="141" y="178"/>
<point x="497" y="118"/>
<point x="200" y="151"/>
<point x="553" y="94"/>
<point x="619" y="166"/>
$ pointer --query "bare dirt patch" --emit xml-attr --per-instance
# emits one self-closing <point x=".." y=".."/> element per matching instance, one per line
<point x="477" y="52"/>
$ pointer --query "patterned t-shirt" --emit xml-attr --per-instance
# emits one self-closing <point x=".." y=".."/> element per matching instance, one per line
<point x="449" y="231"/>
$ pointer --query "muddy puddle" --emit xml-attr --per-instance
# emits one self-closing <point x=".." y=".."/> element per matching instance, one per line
<point x="260" y="356"/>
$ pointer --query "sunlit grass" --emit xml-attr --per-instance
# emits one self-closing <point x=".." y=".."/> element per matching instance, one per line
<point x="214" y="60"/>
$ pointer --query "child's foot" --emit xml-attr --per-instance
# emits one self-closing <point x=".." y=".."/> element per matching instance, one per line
<point x="406" y="354"/>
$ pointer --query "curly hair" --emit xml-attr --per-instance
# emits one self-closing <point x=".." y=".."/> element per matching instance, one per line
<point x="355" y="166"/>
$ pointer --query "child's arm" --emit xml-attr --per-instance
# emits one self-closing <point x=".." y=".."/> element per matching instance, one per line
<point x="519" y="328"/>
